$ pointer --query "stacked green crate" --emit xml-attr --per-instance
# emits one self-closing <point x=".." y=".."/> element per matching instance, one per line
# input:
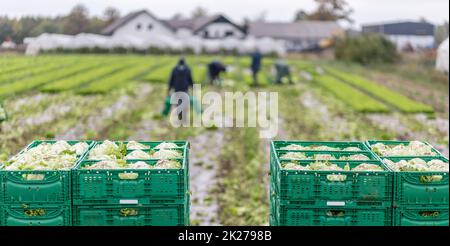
<point x="135" y="197"/>
<point x="420" y="196"/>
<point x="38" y="197"/>
<point x="302" y="197"/>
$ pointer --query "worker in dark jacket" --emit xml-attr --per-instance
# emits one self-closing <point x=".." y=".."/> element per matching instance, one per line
<point x="181" y="78"/>
<point x="283" y="71"/>
<point x="256" y="66"/>
<point x="180" y="81"/>
<point x="215" y="68"/>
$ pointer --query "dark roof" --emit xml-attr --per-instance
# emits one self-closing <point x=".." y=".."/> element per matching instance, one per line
<point x="109" y="30"/>
<point x="294" y="30"/>
<point x="402" y="28"/>
<point x="196" y="24"/>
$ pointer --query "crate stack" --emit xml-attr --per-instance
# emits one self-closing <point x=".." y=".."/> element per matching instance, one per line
<point x="420" y="198"/>
<point x="328" y="198"/>
<point x="37" y="198"/>
<point x="100" y="197"/>
<point x="146" y="197"/>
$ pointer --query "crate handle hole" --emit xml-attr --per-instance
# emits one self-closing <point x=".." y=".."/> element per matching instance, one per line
<point x="127" y="212"/>
<point x="34" y="212"/>
<point x="336" y="177"/>
<point x="430" y="178"/>
<point x="33" y="177"/>
<point x="335" y="213"/>
<point x="427" y="214"/>
<point x="128" y="176"/>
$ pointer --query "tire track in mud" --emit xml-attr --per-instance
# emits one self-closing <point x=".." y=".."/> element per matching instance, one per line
<point x="204" y="157"/>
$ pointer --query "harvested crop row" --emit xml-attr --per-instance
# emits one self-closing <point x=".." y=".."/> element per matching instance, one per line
<point x="351" y="96"/>
<point x="397" y="100"/>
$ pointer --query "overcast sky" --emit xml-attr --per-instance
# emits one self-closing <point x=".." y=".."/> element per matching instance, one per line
<point x="366" y="11"/>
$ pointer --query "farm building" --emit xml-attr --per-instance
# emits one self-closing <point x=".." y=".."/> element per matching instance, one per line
<point x="141" y="25"/>
<point x="142" y="30"/>
<point x="298" y="36"/>
<point x="406" y="35"/>
<point x="442" y="57"/>
<point x="207" y="27"/>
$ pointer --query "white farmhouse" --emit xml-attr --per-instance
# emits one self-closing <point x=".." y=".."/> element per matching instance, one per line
<point x="406" y="35"/>
<point x="140" y="24"/>
<point x="207" y="27"/>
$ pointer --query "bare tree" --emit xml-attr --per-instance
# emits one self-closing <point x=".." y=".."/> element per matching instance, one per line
<point x="77" y="21"/>
<point x="199" y="12"/>
<point x="331" y="10"/>
<point x="301" y="15"/>
<point x="111" y="14"/>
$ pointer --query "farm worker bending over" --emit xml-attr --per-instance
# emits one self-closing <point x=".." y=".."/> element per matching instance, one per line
<point x="256" y="66"/>
<point x="215" y="68"/>
<point x="283" y="71"/>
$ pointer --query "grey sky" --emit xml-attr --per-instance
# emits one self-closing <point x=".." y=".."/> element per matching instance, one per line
<point x="366" y="11"/>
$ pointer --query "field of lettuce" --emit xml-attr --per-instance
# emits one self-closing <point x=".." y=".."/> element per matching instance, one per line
<point x="120" y="98"/>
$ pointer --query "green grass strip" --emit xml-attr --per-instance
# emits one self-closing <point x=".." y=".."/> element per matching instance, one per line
<point x="382" y="93"/>
<point x="78" y="80"/>
<point x="351" y="96"/>
<point x="160" y="74"/>
<point x="199" y="73"/>
<point x="32" y="70"/>
<point x="39" y="80"/>
<point x="115" y="81"/>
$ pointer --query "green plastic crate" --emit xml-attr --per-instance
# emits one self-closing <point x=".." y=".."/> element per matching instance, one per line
<point x="132" y="215"/>
<point x="105" y="187"/>
<point x="280" y="144"/>
<point x="314" y="188"/>
<point x="391" y="142"/>
<point x="291" y="215"/>
<point x="414" y="216"/>
<point x="54" y="188"/>
<point x="36" y="215"/>
<point x="416" y="189"/>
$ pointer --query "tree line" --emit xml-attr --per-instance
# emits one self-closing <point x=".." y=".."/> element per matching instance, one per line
<point x="77" y="21"/>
